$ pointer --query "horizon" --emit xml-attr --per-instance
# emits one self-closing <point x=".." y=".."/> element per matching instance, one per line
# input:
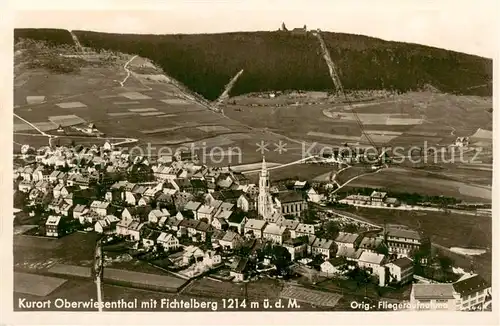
<point x="439" y="24"/>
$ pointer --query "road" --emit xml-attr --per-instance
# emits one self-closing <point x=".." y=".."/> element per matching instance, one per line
<point x="354" y="178"/>
<point x="302" y="160"/>
<point x="127" y="70"/>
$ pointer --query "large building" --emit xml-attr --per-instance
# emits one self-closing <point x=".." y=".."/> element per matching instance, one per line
<point x="472" y="292"/>
<point x="291" y="203"/>
<point x="402" y="240"/>
<point x="433" y="297"/>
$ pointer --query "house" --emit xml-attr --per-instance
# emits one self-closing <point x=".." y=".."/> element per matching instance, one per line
<point x="107" y="224"/>
<point x="156" y="215"/>
<point x="433" y="297"/>
<point x="402" y="240"/>
<point x="333" y="266"/>
<point x="99" y="207"/>
<point x="205" y="212"/>
<point x="237" y="220"/>
<point x="346" y="239"/>
<point x="323" y="247"/>
<point x="134" y="229"/>
<point x="304" y="230"/>
<point x="53" y="226"/>
<point x="193" y="206"/>
<point x="378" y="198"/>
<point x="472" y="292"/>
<point x="168" y="241"/>
<point x="254" y="228"/>
<point x="79" y="211"/>
<point x="313" y="196"/>
<point x="392" y="202"/>
<point x="349" y="253"/>
<point x="60" y="191"/>
<point x="203" y="229"/>
<point x="211" y="258"/>
<point x="231" y="240"/>
<point x="291" y="225"/>
<point x="291" y="203"/>
<point x="370" y="243"/>
<point x="276" y="234"/>
<point x="25" y="186"/>
<point x="356" y="200"/>
<point x="192" y="253"/>
<point x="247" y="202"/>
<point x="374" y="263"/>
<point x="122" y="227"/>
<point x="238" y="269"/>
<point x="139" y="213"/>
<point x="188" y="227"/>
<point x="57" y="176"/>
<point x="144" y="201"/>
<point x="297" y="247"/>
<point x="220" y="223"/>
<point x="149" y="237"/>
<point x="400" y="271"/>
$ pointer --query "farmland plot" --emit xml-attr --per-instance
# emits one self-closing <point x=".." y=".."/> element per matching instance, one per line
<point x="35" y="284"/>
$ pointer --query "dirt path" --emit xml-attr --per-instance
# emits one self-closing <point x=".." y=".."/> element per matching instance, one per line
<point x="127" y="70"/>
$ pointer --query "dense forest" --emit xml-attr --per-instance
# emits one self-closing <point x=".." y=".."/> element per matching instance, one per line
<point x="281" y="61"/>
<point x="50" y="36"/>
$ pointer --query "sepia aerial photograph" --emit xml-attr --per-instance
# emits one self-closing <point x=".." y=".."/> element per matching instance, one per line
<point x="251" y="163"/>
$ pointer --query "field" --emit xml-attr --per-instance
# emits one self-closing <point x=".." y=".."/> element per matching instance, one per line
<point x="143" y="280"/>
<point x="41" y="253"/>
<point x="315" y="297"/>
<point x="35" y="284"/>
<point x="71" y="270"/>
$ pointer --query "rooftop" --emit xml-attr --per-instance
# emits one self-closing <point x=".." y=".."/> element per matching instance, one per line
<point x="289" y="197"/>
<point x="470" y="285"/>
<point x="371" y="258"/>
<point x="274" y="229"/>
<point x="346" y="237"/>
<point x="403" y="262"/>
<point x="255" y="224"/>
<point x="433" y="291"/>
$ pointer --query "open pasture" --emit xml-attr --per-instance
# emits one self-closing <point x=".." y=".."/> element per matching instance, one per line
<point x="71" y="270"/>
<point x="176" y="101"/>
<point x="66" y="120"/>
<point x="135" y="96"/>
<point x="35" y="284"/>
<point x="37" y="99"/>
<point x="143" y="280"/>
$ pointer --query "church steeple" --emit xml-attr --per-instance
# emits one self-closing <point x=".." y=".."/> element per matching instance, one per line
<point x="264" y="201"/>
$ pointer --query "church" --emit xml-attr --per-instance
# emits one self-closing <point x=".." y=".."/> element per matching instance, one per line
<point x="287" y="203"/>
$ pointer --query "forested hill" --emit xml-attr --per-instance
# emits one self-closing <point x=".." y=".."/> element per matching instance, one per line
<point x="283" y="61"/>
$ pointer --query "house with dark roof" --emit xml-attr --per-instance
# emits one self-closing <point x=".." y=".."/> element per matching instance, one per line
<point x="239" y="268"/>
<point x="297" y="247"/>
<point x="291" y="203"/>
<point x="400" y="271"/>
<point x="472" y="292"/>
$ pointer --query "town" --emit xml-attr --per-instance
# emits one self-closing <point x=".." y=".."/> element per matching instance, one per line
<point x="194" y="220"/>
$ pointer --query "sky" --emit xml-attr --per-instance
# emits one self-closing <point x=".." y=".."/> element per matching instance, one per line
<point x="464" y="26"/>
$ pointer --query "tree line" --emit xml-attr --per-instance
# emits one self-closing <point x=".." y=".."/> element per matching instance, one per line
<point x="281" y="61"/>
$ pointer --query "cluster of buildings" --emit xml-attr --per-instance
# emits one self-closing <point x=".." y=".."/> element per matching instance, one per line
<point x="470" y="293"/>
<point x="376" y="199"/>
<point x="174" y="203"/>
